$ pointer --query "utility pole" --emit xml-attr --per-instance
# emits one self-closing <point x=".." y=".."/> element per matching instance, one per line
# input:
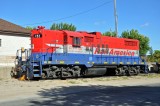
<point x="116" y="19"/>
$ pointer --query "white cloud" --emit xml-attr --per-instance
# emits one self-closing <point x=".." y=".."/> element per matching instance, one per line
<point x="145" y="24"/>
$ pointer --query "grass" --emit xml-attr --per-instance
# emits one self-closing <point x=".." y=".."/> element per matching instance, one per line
<point x="73" y="82"/>
<point x="125" y="77"/>
<point x="114" y="79"/>
<point x="107" y="78"/>
<point x="84" y="80"/>
<point x="153" y="76"/>
<point x="150" y="75"/>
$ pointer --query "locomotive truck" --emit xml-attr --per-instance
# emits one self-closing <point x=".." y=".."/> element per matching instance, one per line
<point x="62" y="53"/>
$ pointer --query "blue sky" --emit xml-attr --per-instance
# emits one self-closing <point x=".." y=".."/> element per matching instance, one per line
<point x="143" y="15"/>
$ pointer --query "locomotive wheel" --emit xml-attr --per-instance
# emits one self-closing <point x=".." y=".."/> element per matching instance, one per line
<point x="123" y="72"/>
<point x="44" y="76"/>
<point x="120" y="72"/>
<point x="137" y="72"/>
<point x="128" y="72"/>
<point x="70" y="75"/>
<point x="117" y="71"/>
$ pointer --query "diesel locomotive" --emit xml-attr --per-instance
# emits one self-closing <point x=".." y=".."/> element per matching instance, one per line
<point x="62" y="53"/>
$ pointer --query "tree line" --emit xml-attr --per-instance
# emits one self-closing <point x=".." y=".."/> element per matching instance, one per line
<point x="153" y="56"/>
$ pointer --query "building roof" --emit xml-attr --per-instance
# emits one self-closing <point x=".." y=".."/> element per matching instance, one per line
<point x="9" y="28"/>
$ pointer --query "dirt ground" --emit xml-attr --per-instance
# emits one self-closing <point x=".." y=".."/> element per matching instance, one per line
<point x="13" y="88"/>
<point x="5" y="72"/>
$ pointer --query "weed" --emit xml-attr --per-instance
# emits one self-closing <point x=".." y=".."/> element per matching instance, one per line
<point x="150" y="75"/>
<point x="100" y="79"/>
<point x="73" y="82"/>
<point x="83" y="80"/>
<point x="125" y="77"/>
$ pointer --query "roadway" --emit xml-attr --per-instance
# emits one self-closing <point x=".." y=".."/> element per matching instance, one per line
<point x="93" y="95"/>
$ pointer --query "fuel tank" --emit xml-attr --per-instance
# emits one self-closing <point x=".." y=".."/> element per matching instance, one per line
<point x="95" y="71"/>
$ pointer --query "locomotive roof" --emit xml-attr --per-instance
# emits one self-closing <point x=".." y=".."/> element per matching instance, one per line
<point x="13" y="29"/>
<point x="84" y="33"/>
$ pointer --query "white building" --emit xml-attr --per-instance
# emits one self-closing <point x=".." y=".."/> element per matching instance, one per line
<point x="12" y="38"/>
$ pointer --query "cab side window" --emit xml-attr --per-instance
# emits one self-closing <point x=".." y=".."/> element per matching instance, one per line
<point x="76" y="41"/>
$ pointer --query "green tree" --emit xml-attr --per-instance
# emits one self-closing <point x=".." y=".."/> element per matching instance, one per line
<point x="155" y="57"/>
<point x="151" y="51"/>
<point x="150" y="57"/>
<point x="144" y="40"/>
<point x="30" y="28"/>
<point x="63" y="26"/>
<point x="110" y="33"/>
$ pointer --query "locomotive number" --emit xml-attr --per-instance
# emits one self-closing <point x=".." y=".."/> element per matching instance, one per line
<point x="37" y="35"/>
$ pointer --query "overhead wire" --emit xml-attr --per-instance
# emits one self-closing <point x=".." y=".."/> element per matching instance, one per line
<point x="76" y="14"/>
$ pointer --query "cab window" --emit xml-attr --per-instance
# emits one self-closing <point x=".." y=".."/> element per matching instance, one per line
<point x="76" y="41"/>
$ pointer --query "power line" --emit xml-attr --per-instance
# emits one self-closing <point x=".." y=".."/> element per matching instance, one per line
<point x="82" y="12"/>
